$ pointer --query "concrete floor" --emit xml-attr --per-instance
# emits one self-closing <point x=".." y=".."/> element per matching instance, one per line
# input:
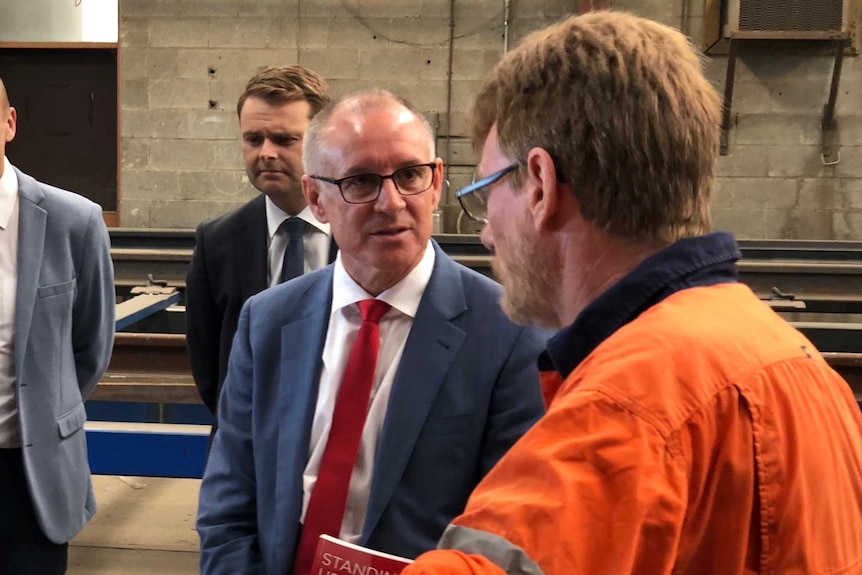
<point x="143" y="525"/>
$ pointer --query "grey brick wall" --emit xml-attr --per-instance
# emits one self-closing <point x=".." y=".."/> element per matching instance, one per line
<point x="184" y="63"/>
<point x="773" y="183"/>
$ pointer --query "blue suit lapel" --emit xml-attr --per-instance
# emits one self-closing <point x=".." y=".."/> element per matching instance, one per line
<point x="31" y="243"/>
<point x="302" y="342"/>
<point x="430" y="349"/>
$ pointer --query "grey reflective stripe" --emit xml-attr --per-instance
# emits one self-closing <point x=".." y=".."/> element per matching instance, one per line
<point x="510" y="558"/>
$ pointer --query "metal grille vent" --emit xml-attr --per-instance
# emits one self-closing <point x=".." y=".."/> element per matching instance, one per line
<point x="790" y="16"/>
<point x="785" y="19"/>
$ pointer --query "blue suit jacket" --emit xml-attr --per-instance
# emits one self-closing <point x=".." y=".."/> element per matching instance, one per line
<point x="466" y="389"/>
<point x="64" y="332"/>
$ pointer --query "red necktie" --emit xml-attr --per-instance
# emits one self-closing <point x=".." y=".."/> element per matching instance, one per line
<point x="329" y="496"/>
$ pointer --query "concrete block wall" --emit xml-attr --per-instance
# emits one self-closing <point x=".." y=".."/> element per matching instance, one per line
<point x="775" y="176"/>
<point x="185" y="62"/>
<point x="773" y="183"/>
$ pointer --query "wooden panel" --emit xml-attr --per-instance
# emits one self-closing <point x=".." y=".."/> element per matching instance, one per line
<point x="67" y="111"/>
<point x="711" y="23"/>
<point x="142" y="353"/>
<point x="147" y="388"/>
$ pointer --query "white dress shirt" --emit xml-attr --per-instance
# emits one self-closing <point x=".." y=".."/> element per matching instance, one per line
<point x="315" y="241"/>
<point x="344" y="323"/>
<point x="10" y="433"/>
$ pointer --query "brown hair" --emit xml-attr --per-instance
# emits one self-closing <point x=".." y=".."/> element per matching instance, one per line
<point x="287" y="84"/>
<point x="4" y="99"/>
<point x="622" y="106"/>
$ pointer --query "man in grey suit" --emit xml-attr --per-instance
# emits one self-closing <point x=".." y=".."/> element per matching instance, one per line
<point x="56" y="333"/>
<point x="447" y="387"/>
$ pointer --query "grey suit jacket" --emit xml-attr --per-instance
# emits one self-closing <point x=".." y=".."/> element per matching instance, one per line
<point x="64" y="332"/>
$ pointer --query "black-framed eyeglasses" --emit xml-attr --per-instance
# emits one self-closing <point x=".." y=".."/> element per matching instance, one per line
<point x="474" y="198"/>
<point x="365" y="188"/>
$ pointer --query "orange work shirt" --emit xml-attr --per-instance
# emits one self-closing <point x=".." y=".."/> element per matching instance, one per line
<point x="706" y="436"/>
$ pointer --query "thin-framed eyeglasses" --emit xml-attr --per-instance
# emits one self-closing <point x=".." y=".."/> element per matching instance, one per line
<point x="365" y="188"/>
<point x="474" y="197"/>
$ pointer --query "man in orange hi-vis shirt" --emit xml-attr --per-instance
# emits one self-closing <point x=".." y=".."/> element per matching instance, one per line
<point x="689" y="429"/>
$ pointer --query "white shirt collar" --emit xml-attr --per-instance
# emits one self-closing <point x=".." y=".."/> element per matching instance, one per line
<point x="275" y="215"/>
<point x="8" y="192"/>
<point x="403" y="296"/>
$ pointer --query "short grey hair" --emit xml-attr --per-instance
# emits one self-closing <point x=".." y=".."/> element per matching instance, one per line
<point x="362" y="101"/>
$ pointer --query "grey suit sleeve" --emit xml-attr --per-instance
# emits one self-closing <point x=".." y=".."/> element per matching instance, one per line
<point x="227" y="510"/>
<point x="94" y="310"/>
<point x="517" y="401"/>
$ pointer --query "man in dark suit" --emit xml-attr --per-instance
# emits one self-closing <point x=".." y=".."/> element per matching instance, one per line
<point x="56" y="333"/>
<point x="248" y="250"/>
<point x="452" y="386"/>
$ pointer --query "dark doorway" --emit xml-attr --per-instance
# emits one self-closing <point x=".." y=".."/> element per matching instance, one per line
<point x="67" y="118"/>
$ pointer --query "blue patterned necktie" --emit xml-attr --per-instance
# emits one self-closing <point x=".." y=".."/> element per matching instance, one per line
<point x="294" y="252"/>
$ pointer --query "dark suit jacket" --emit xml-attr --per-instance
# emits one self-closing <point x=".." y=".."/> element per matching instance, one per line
<point x="227" y="268"/>
<point x="466" y="389"/>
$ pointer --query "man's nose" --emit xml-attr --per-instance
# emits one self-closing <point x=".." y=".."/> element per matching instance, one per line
<point x="390" y="199"/>
<point x="268" y="150"/>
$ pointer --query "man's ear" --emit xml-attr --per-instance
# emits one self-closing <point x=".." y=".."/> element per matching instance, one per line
<point x="311" y="191"/>
<point x="437" y="185"/>
<point x="11" y="124"/>
<point x="543" y="188"/>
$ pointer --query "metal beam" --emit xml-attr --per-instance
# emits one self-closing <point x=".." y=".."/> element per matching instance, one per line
<point x="147" y="449"/>
<point x="143" y="305"/>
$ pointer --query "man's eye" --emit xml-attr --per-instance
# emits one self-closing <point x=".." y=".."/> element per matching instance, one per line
<point x="362" y="181"/>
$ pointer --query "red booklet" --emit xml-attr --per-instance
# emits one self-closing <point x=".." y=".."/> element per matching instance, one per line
<point x="337" y="557"/>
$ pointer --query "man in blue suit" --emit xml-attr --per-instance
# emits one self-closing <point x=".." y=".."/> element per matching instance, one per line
<point x="455" y="383"/>
<point x="56" y="334"/>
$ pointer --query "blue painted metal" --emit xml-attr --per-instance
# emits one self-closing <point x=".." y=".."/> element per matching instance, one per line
<point x="124" y="411"/>
<point x="187" y="413"/>
<point x="161" y="301"/>
<point x="137" y="412"/>
<point x="147" y="453"/>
